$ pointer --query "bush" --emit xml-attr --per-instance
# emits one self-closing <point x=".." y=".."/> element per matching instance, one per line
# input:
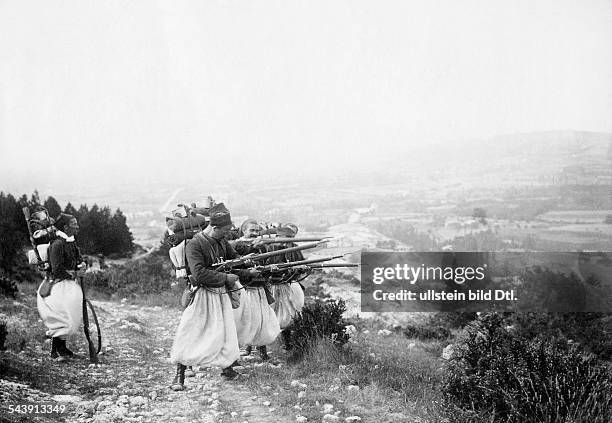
<point x="8" y="287"/>
<point x="453" y="320"/>
<point x="424" y="332"/>
<point x="317" y="320"/>
<point x="149" y="275"/>
<point x="497" y="372"/>
<point x="553" y="291"/>
<point x="592" y="331"/>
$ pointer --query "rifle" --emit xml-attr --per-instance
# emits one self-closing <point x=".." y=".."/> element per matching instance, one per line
<point x="289" y="271"/>
<point x="279" y="240"/>
<point x="296" y="265"/>
<point x="249" y="259"/>
<point x="89" y="312"/>
<point x="325" y="265"/>
<point x="94" y="347"/>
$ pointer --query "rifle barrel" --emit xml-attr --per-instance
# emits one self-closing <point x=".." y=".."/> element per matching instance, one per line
<point x="309" y="261"/>
<point x="279" y="240"/>
<point x="319" y="266"/>
<point x="233" y="263"/>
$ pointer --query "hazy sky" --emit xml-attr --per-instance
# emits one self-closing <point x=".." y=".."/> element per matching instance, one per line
<point x="112" y="88"/>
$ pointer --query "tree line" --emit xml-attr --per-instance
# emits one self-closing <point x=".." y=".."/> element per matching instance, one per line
<point x="101" y="231"/>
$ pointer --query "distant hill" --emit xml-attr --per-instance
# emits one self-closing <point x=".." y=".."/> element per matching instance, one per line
<point x="523" y="157"/>
<point x="564" y="145"/>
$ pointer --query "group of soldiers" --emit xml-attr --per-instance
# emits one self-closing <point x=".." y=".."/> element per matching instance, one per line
<point x="228" y="308"/>
<point x="235" y="307"/>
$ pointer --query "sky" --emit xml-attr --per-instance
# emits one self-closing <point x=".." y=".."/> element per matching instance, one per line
<point x="102" y="92"/>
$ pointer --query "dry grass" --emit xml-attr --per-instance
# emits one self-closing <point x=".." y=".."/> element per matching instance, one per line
<point x="22" y="321"/>
<point x="377" y="378"/>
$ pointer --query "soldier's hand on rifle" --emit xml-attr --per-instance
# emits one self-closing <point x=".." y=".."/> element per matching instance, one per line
<point x="81" y="268"/>
<point x="254" y="272"/>
<point x="231" y="278"/>
<point x="257" y="244"/>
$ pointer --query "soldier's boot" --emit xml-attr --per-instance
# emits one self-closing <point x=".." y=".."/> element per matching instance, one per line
<point x="62" y="349"/>
<point x="248" y="350"/>
<point x="263" y="352"/>
<point x="189" y="372"/>
<point x="178" y="383"/>
<point x="54" y="354"/>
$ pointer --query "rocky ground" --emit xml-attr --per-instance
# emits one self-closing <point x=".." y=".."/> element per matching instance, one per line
<point x="131" y="382"/>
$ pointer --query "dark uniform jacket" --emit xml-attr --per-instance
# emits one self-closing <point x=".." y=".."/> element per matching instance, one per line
<point x="202" y="253"/>
<point x="64" y="257"/>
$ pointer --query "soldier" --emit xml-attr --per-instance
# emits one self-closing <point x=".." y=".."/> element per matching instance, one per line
<point x="206" y="334"/>
<point x="248" y="231"/>
<point x="288" y="295"/>
<point x="256" y="322"/>
<point x="62" y="309"/>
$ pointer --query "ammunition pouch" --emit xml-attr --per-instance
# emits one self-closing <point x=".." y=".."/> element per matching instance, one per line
<point x="45" y="287"/>
<point x="188" y="295"/>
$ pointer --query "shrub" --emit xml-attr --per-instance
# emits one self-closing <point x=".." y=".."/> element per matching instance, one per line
<point x="8" y="287"/>
<point x="498" y="372"/>
<point x="149" y="275"/>
<point x="425" y="332"/>
<point x="320" y="319"/>
<point x="553" y="291"/>
<point x="453" y="320"/>
<point x="590" y="330"/>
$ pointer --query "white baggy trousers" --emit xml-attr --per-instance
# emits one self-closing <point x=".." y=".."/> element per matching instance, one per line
<point x="62" y="310"/>
<point x="256" y="322"/>
<point x="289" y="301"/>
<point x="206" y="335"/>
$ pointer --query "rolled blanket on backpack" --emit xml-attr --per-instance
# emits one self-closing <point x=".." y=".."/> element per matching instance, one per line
<point x="177" y="224"/>
<point x="201" y="210"/>
<point x="176" y="239"/>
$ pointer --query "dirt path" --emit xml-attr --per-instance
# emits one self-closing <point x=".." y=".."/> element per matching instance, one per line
<point x="131" y="383"/>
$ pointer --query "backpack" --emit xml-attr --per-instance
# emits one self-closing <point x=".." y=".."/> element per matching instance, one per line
<point x="42" y="233"/>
